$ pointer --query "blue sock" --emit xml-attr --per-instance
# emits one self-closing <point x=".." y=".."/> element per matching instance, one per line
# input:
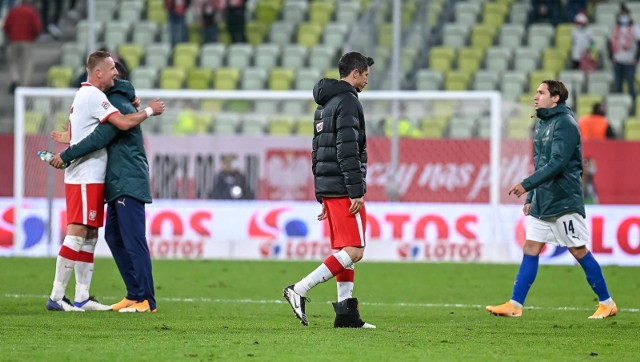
<point x="525" y="278"/>
<point x="594" y="276"/>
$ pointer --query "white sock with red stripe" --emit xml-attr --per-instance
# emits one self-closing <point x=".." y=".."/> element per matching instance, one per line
<point x="65" y="264"/>
<point x="84" y="270"/>
<point x="332" y="266"/>
<point x="345" y="283"/>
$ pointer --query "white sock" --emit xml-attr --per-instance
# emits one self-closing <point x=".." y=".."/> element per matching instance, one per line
<point x="64" y="267"/>
<point x="84" y="270"/>
<point x="516" y="304"/>
<point x="608" y="302"/>
<point x="322" y="273"/>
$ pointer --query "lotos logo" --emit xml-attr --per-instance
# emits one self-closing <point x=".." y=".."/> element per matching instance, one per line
<point x="33" y="226"/>
<point x="270" y="249"/>
<point x="549" y="251"/>
<point x="408" y="251"/>
<point x="271" y="226"/>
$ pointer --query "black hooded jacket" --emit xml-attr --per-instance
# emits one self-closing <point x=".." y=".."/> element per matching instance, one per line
<point x="339" y="155"/>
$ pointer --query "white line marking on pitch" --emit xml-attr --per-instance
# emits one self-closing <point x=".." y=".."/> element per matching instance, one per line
<point x="374" y="304"/>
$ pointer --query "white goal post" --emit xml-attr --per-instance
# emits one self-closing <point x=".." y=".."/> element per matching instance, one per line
<point x="378" y="107"/>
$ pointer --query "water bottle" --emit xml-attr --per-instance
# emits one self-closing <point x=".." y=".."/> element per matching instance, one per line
<point x="47" y="156"/>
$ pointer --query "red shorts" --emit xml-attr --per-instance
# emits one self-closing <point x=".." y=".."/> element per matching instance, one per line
<point x="85" y="204"/>
<point x="346" y="229"/>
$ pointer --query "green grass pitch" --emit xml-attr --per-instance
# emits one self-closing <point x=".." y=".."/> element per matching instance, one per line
<point x="233" y="310"/>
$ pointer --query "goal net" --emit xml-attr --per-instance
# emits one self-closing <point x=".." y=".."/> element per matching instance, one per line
<point x="431" y="148"/>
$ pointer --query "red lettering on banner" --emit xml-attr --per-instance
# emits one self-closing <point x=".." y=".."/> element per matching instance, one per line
<point x="623" y="235"/>
<point x="173" y="218"/>
<point x="597" y="236"/>
<point x="197" y="221"/>
<point x="441" y="227"/>
<point x="462" y="226"/>
<point x="373" y="227"/>
<point x="397" y="222"/>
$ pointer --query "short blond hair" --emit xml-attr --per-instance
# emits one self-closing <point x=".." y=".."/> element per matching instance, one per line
<point x="96" y="58"/>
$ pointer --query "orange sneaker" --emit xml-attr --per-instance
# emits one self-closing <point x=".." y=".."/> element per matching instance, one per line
<point x="505" y="310"/>
<point x="139" y="307"/>
<point x="605" y="311"/>
<point x="124" y="303"/>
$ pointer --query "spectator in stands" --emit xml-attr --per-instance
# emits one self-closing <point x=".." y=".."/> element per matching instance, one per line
<point x="588" y="181"/>
<point x="595" y="126"/>
<point x="624" y="51"/>
<point x="574" y="7"/>
<point x="581" y="40"/>
<point x="209" y="12"/>
<point x="230" y="183"/>
<point x="545" y="11"/>
<point x="51" y="24"/>
<point x="22" y="28"/>
<point x="10" y="5"/>
<point x="177" y="10"/>
<point x="236" y="20"/>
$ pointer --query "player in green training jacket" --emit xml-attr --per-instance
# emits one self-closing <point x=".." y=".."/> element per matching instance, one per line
<point x="127" y="190"/>
<point x="555" y="204"/>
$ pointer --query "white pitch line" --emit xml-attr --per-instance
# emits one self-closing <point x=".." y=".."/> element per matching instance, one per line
<point x="373" y="304"/>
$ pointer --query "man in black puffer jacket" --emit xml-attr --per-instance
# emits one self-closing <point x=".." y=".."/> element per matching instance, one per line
<point x="339" y="165"/>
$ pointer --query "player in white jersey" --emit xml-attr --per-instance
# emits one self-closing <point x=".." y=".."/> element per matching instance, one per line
<point x="84" y="183"/>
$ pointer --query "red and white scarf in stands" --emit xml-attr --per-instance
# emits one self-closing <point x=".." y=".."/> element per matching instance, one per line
<point x="621" y="40"/>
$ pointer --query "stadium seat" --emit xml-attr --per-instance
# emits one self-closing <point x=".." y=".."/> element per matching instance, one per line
<point x="267" y="11"/>
<point x="280" y="126"/>
<point x="226" y="78"/>
<point x="73" y="55"/>
<point x="266" y="106"/>
<point x="563" y="39"/>
<point x="536" y="77"/>
<point x="574" y="81"/>
<point x="256" y="32"/>
<point x="586" y="102"/>
<point x="266" y="56"/>
<point x="172" y="78"/>
<point x="320" y="12"/>
<point x="308" y="34"/>
<point x="525" y="59"/>
<point x="485" y="80"/>
<point x="254" y="125"/>
<point x="385" y="35"/>
<point x="295" y="11"/>
<point x="144" y="77"/>
<point x="116" y="33"/>
<point x="307" y="78"/>
<point x="33" y="122"/>
<point x="482" y="36"/>
<point x="156" y="12"/>
<point x="484" y="127"/>
<point x="455" y="35"/>
<point x="130" y="11"/>
<point x="199" y="78"/>
<point x="347" y="12"/>
<point x="429" y="80"/>
<point x="433" y="127"/>
<point x="498" y="59"/>
<point x="618" y="109"/>
<point x="132" y="54"/>
<point x="605" y="13"/>
<point x="281" y="78"/>
<point x="322" y="57"/>
<point x="104" y="10"/>
<point x="510" y="35"/>
<point x="82" y="29"/>
<point x="226" y="124"/>
<point x="462" y="127"/>
<point x="466" y="12"/>
<point x="441" y="58"/>
<point x="296" y="56"/>
<point x="334" y="34"/>
<point x="554" y="59"/>
<point x="281" y="32"/>
<point x="600" y="82"/>
<point x="512" y="84"/>
<point x="185" y="55"/>
<point x="457" y="80"/>
<point x="239" y="55"/>
<point x="632" y="129"/>
<point x="520" y="127"/>
<point x="157" y="55"/>
<point x="304" y="126"/>
<point x="144" y="33"/>
<point x="212" y="55"/>
<point x="254" y="78"/>
<point x="539" y="36"/>
<point x="469" y="59"/>
<point x="519" y="12"/>
<point x="59" y="76"/>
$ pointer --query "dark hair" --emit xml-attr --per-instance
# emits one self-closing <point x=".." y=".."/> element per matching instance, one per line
<point x="123" y="72"/>
<point x="353" y="60"/>
<point x="96" y="58"/>
<point x="557" y="88"/>
<point x="597" y="109"/>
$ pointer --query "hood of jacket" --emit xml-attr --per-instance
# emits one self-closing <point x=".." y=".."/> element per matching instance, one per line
<point x="123" y="87"/>
<point x="548" y="113"/>
<point x="328" y="88"/>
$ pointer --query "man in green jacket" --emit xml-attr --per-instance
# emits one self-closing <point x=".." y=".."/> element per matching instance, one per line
<point x="127" y="190"/>
<point x="555" y="204"/>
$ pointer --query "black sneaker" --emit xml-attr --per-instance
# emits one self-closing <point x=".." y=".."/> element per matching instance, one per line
<point x="297" y="303"/>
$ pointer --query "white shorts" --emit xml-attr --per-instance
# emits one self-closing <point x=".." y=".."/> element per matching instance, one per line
<point x="568" y="230"/>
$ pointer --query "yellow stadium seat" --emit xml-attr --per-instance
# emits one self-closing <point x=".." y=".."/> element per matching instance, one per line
<point x="563" y="36"/>
<point x="185" y="55"/>
<point x="131" y="53"/>
<point x="385" y="35"/>
<point x="199" y="78"/>
<point x="536" y="77"/>
<point x="226" y="78"/>
<point x="304" y="126"/>
<point x="332" y="73"/>
<point x="457" y="80"/>
<point x="554" y="59"/>
<point x="255" y="32"/>
<point x="469" y="59"/>
<point x="482" y="36"/>
<point x="494" y="13"/>
<point x="172" y="78"/>
<point x="33" y="122"/>
<point x="441" y="58"/>
<point x="281" y="78"/>
<point x="434" y="127"/>
<point x="309" y="34"/>
<point x="632" y="129"/>
<point x="586" y="102"/>
<point x="320" y="12"/>
<point x="59" y="76"/>
<point x="267" y="11"/>
<point x="156" y="11"/>
<point x="280" y="126"/>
